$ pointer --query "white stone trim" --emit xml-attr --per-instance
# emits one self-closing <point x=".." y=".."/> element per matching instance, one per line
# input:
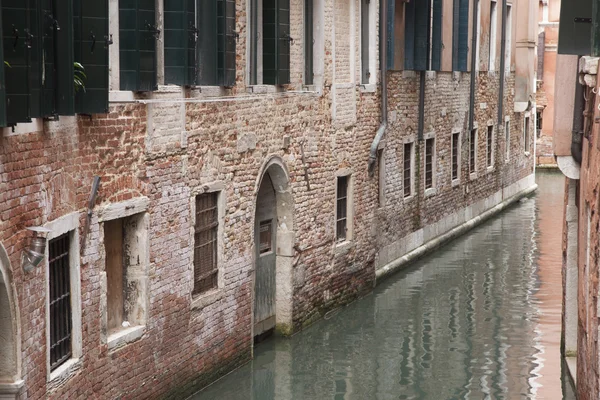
<point x="66" y="224"/>
<point x="129" y="335"/>
<point x="123" y="209"/>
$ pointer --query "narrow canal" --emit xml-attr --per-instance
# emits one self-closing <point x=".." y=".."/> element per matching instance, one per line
<point x="479" y="318"/>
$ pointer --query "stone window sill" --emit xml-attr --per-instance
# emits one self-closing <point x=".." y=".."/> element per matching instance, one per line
<point x="490" y="169"/>
<point x="527" y="154"/>
<point x="368" y="88"/>
<point x="125" y="336"/>
<point x="430" y="192"/>
<point x="262" y="89"/>
<point x="202" y="300"/>
<point x="11" y="388"/>
<point x="473" y="176"/>
<point x="455" y="183"/>
<point x="65" y="371"/>
<point x="408" y="199"/>
<point x="343" y="247"/>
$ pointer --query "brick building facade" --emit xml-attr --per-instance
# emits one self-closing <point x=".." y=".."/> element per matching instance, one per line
<point x="268" y="177"/>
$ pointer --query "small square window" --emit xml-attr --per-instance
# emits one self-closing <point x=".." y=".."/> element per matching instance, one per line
<point x="266" y="237"/>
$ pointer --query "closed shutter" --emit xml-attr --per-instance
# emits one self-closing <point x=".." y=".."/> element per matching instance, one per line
<point x="455" y="30"/>
<point x="35" y="59"/>
<point x="90" y="24"/>
<point x="2" y="81"/>
<point x="463" y="35"/>
<point x="422" y="9"/>
<point x="48" y="72"/>
<point x="14" y="39"/>
<point x="137" y="39"/>
<point x="65" y="89"/>
<point x="391" y="34"/>
<point x="276" y="42"/>
<point x="436" y="33"/>
<point x="364" y="40"/>
<point x="180" y="42"/>
<point x="409" y="35"/>
<point x="207" y="42"/>
<point x="308" y="42"/>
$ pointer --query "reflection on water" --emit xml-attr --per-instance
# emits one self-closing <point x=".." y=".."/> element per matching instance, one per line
<point x="474" y="320"/>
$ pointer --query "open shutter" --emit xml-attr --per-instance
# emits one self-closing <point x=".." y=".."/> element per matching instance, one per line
<point x="137" y="39"/>
<point x="2" y="81"/>
<point x="65" y="89"/>
<point x="284" y="41"/>
<point x="463" y="35"/>
<point x="91" y="50"/>
<point x="364" y="40"/>
<point x="207" y="42"/>
<point x="229" y="44"/>
<point x="180" y="42"/>
<point x="436" y="36"/>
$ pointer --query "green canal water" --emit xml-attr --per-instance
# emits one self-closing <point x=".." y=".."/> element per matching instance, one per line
<point x="478" y="319"/>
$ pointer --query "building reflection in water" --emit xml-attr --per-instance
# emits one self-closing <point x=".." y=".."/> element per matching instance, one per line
<point x="462" y="323"/>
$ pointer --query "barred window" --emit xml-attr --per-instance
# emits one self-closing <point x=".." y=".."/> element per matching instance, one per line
<point x="455" y="143"/>
<point x="407" y="169"/>
<point x="489" y="147"/>
<point x="526" y="134"/>
<point x="205" y="243"/>
<point x="342" y="209"/>
<point x="507" y="138"/>
<point x="472" y="151"/>
<point x="61" y="322"/>
<point x="429" y="149"/>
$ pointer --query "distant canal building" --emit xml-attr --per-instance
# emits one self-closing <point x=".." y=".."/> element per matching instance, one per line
<point x="256" y="170"/>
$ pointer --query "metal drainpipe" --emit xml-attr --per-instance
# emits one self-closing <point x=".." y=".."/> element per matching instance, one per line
<point x="473" y="65"/>
<point x="502" y="66"/>
<point x="383" y="66"/>
<point x="577" y="133"/>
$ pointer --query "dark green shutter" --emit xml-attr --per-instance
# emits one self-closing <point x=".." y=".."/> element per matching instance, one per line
<point x="390" y="46"/>
<point x="2" y="81"/>
<point x="207" y="42"/>
<point x="65" y="89"/>
<point x="230" y="41"/>
<point x="137" y="39"/>
<point x="48" y="72"/>
<point x="455" y="33"/>
<point x="35" y="57"/>
<point x="308" y="42"/>
<point x="276" y="42"/>
<point x="409" y="35"/>
<point x="91" y="50"/>
<point x="180" y="42"/>
<point x="463" y="35"/>
<point x="436" y="36"/>
<point x="422" y="9"/>
<point x="364" y="40"/>
<point x="14" y="39"/>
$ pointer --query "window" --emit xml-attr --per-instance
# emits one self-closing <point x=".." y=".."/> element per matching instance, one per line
<point x="477" y="32"/>
<point x="380" y="157"/>
<point x="364" y="40"/>
<point x="473" y="151"/>
<point x="493" y="35"/>
<point x="539" y="121"/>
<point x="205" y="242"/>
<point x="429" y="154"/>
<point x="125" y="259"/>
<point x="308" y="42"/>
<point x="265" y="243"/>
<point x="407" y="179"/>
<point x="507" y="138"/>
<point x="455" y="155"/>
<point x="508" y="39"/>
<point x="270" y="42"/>
<point x="490" y="146"/>
<point x="460" y="36"/>
<point x="423" y="35"/>
<point x="138" y="35"/>
<point x="60" y="301"/>
<point x="341" y="229"/>
<point x="526" y="134"/>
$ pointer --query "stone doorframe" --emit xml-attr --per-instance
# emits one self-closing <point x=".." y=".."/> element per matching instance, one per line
<point x="11" y="385"/>
<point x="277" y="170"/>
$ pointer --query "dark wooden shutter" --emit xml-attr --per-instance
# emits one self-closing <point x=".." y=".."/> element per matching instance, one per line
<point x="90" y="24"/>
<point x="308" y="42"/>
<point x="455" y="33"/>
<point x="276" y="42"/>
<point x="2" y="81"/>
<point x="14" y="38"/>
<point x="65" y="88"/>
<point x="48" y="25"/>
<point x="463" y="35"/>
<point x="409" y="35"/>
<point x="391" y="34"/>
<point x="422" y="12"/>
<point x="137" y="38"/>
<point x="35" y="59"/>
<point x="436" y="36"/>
<point x="364" y="40"/>
<point x="180" y="42"/>
<point x="207" y="42"/>
<point x="230" y="39"/>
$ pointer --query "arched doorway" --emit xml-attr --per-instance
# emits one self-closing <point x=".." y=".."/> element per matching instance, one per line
<point x="9" y="346"/>
<point x="274" y="251"/>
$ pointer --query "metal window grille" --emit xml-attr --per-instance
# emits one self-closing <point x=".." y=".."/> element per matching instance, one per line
<point x="407" y="171"/>
<point x="60" y="301"/>
<point x="472" y="149"/>
<point x="342" y="209"/>
<point x="526" y="133"/>
<point x="455" y="138"/>
<point x="266" y="237"/>
<point x="490" y="135"/>
<point x="429" y="146"/>
<point x="539" y="122"/>
<point x="205" y="243"/>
